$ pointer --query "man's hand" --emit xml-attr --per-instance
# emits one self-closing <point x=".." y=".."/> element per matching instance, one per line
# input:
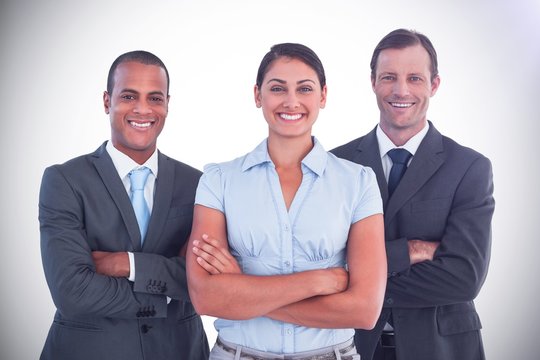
<point x="420" y="250"/>
<point x="111" y="263"/>
<point x="214" y="258"/>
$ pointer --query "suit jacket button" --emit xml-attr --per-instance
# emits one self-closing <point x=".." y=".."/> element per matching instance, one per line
<point x="145" y="328"/>
<point x="389" y="301"/>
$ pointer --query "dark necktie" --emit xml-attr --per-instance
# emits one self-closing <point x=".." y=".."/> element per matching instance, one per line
<point x="138" y="178"/>
<point x="400" y="158"/>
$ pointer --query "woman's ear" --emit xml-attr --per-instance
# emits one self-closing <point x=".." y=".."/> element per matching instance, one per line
<point x="257" y="96"/>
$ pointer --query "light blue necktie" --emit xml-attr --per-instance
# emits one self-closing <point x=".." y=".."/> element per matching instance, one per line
<point x="138" y="177"/>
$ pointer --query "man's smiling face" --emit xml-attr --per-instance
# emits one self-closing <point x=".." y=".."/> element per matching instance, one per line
<point x="403" y="87"/>
<point x="137" y="108"/>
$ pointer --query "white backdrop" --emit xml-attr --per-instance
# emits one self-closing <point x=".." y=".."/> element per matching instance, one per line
<point x="53" y="66"/>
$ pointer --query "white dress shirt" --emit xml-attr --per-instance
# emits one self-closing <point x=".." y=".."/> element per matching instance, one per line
<point x="385" y="145"/>
<point x="124" y="164"/>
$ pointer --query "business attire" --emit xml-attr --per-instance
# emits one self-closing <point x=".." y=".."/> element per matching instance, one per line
<point x="446" y="195"/>
<point x="266" y="238"/>
<point x="83" y="207"/>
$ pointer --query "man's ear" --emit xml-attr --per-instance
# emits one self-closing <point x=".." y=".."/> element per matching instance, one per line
<point x="106" y="102"/>
<point x="435" y="85"/>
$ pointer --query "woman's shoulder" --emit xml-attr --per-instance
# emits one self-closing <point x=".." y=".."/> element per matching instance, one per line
<point x="241" y="163"/>
<point x="225" y="167"/>
<point x="347" y="166"/>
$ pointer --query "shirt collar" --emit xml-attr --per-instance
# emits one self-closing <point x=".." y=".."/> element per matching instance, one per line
<point x="124" y="164"/>
<point x="257" y="156"/>
<point x="385" y="144"/>
<point x="315" y="160"/>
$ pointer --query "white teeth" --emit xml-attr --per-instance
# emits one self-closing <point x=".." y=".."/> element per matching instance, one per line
<point x="140" y="125"/>
<point x="401" y="105"/>
<point x="290" y="117"/>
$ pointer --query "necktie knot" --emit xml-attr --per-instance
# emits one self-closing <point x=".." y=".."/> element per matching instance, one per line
<point x="137" y="178"/>
<point x="399" y="156"/>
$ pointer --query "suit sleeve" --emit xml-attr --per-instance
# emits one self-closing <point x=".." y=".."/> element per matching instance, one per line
<point x="397" y="253"/>
<point x="75" y="286"/>
<point x="460" y="264"/>
<point x="156" y="274"/>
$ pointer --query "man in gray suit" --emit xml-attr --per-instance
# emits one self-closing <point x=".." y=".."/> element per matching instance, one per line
<point x="437" y="217"/>
<point x="118" y="281"/>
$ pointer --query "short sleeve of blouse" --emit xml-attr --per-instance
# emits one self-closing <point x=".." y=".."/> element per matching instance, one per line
<point x="368" y="201"/>
<point x="210" y="188"/>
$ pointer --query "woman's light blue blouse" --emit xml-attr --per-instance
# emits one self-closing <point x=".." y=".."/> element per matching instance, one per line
<point x="266" y="239"/>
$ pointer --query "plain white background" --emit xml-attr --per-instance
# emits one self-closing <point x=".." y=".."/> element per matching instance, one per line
<point x="54" y="61"/>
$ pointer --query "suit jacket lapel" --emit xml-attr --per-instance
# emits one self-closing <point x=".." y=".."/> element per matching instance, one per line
<point x="426" y="161"/>
<point x="368" y="155"/>
<point x="117" y="191"/>
<point x="162" y="201"/>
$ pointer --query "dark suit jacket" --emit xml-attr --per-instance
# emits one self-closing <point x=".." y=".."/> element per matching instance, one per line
<point x="445" y="195"/>
<point x="83" y="206"/>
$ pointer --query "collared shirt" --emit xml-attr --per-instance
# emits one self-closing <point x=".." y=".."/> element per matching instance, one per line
<point x="124" y="164"/>
<point x="385" y="145"/>
<point x="266" y="239"/>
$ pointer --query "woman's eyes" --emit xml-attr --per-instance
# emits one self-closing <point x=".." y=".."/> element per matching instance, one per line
<point x="303" y="89"/>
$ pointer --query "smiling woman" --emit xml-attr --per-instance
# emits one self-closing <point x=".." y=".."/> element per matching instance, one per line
<point x="281" y="224"/>
<point x="290" y="98"/>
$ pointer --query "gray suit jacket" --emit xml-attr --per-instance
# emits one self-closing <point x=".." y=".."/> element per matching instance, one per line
<point x="445" y="195"/>
<point x="83" y="206"/>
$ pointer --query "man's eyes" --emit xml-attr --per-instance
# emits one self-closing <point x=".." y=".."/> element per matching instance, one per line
<point x="154" y="99"/>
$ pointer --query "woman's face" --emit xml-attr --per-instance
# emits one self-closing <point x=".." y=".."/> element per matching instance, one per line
<point x="290" y="97"/>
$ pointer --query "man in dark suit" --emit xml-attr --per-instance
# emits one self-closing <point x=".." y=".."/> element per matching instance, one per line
<point x="118" y="281"/>
<point x="437" y="219"/>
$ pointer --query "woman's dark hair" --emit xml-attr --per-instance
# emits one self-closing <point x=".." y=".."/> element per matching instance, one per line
<point x="402" y="38"/>
<point x="139" y="56"/>
<point x="293" y="51"/>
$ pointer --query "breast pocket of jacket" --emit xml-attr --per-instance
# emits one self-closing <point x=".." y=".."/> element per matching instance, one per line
<point x="427" y="218"/>
<point x="181" y="211"/>
<point x="178" y="224"/>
